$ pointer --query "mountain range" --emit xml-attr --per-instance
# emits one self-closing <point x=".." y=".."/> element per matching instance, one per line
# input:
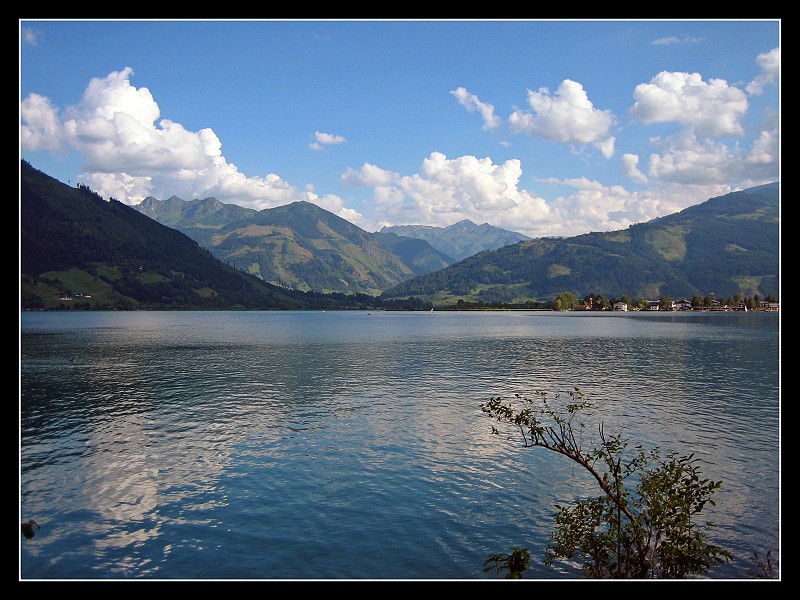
<point x="461" y="239"/>
<point x="305" y="247"/>
<point x="206" y="254"/>
<point x="725" y="246"/>
<point x="299" y="245"/>
<point x="78" y="250"/>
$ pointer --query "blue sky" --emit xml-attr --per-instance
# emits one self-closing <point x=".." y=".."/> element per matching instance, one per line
<point x="538" y="126"/>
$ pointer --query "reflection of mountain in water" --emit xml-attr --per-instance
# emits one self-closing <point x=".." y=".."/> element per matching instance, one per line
<point x="283" y="444"/>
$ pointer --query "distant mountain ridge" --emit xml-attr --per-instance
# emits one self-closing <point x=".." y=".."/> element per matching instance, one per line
<point x="725" y="246"/>
<point x="289" y="253"/>
<point x="461" y="239"/>
<point x="298" y="245"/>
<point x="78" y="250"/>
<point x="174" y="211"/>
<point x="767" y="187"/>
<point x="74" y="241"/>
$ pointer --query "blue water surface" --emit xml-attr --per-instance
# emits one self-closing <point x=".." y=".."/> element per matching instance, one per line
<point x="351" y="445"/>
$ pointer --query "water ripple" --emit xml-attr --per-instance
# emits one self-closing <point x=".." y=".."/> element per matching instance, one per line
<point x="340" y="446"/>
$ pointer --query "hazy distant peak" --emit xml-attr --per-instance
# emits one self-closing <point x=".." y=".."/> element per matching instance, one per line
<point x="462" y="239"/>
<point x="149" y="202"/>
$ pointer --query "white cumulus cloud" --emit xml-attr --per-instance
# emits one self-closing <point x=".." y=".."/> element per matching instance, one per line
<point x="325" y="139"/>
<point x="630" y="168"/>
<point x="449" y="190"/>
<point x="762" y="162"/>
<point x="446" y="191"/>
<point x="473" y="104"/>
<point x="567" y="116"/>
<point x="42" y="130"/>
<point x="369" y="175"/>
<point x="770" y="63"/>
<point x="130" y="154"/>
<point x="687" y="160"/>
<point x="597" y="207"/>
<point x="711" y="108"/>
<point x="765" y="149"/>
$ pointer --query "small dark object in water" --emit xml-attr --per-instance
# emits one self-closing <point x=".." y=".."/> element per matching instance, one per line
<point x="28" y="528"/>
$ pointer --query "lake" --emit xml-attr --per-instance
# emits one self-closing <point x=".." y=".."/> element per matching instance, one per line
<point x="351" y="444"/>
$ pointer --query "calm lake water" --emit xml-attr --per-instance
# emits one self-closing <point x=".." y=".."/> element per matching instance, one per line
<point x="351" y="445"/>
